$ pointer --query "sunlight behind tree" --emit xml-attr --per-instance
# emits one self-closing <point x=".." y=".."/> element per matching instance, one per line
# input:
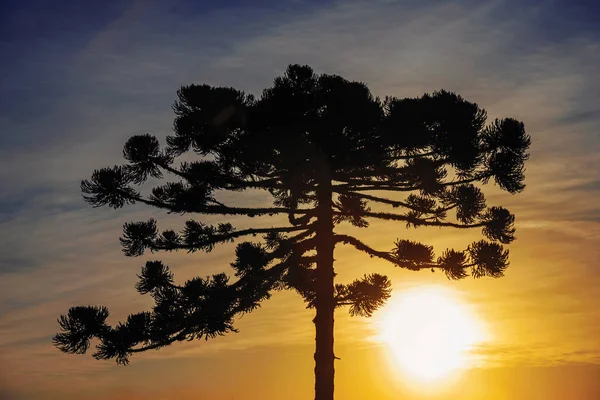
<point x="429" y="332"/>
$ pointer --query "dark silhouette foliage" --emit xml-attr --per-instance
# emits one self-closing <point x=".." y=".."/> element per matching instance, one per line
<point x="329" y="153"/>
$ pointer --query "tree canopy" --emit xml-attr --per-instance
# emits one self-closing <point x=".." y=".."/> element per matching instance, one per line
<point x="326" y="150"/>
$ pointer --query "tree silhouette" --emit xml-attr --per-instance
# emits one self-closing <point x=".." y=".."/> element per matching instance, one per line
<point x="325" y="149"/>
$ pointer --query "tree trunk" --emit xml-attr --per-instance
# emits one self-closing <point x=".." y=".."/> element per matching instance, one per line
<point x="324" y="355"/>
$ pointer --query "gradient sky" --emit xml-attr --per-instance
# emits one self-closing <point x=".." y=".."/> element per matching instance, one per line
<point x="77" y="78"/>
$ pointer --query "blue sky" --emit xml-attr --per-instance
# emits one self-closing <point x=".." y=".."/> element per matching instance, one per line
<point x="78" y="78"/>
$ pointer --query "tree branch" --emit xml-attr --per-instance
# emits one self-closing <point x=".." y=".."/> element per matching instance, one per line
<point x="384" y="255"/>
<point x="418" y="221"/>
<point x="178" y="337"/>
<point x="395" y="203"/>
<point x="383" y="186"/>
<point x="481" y="176"/>
<point x="234" y="183"/>
<point x="230" y="236"/>
<point x="374" y="186"/>
<point x="412" y="156"/>
<point x="222" y="209"/>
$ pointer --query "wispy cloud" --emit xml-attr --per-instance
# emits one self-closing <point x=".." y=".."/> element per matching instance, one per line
<point x="546" y="354"/>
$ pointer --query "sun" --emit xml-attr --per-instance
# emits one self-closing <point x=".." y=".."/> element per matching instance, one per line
<point x="428" y="332"/>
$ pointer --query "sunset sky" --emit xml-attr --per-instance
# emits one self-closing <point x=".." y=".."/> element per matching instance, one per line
<point x="77" y="78"/>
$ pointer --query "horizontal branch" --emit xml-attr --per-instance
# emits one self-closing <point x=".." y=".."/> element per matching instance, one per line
<point x="393" y="203"/>
<point x="479" y="177"/>
<point x="256" y="231"/>
<point x="396" y="203"/>
<point x="384" y="255"/>
<point x="384" y="186"/>
<point x="180" y="336"/>
<point x="230" y="236"/>
<point x="222" y="209"/>
<point x="417" y="221"/>
<point x="417" y="155"/>
<point x="270" y="183"/>
<point x="374" y="186"/>
<point x="226" y="210"/>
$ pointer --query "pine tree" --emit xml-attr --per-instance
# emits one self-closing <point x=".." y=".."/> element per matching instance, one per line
<point x="325" y="149"/>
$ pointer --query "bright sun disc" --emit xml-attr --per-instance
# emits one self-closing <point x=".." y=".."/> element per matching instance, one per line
<point x="429" y="332"/>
